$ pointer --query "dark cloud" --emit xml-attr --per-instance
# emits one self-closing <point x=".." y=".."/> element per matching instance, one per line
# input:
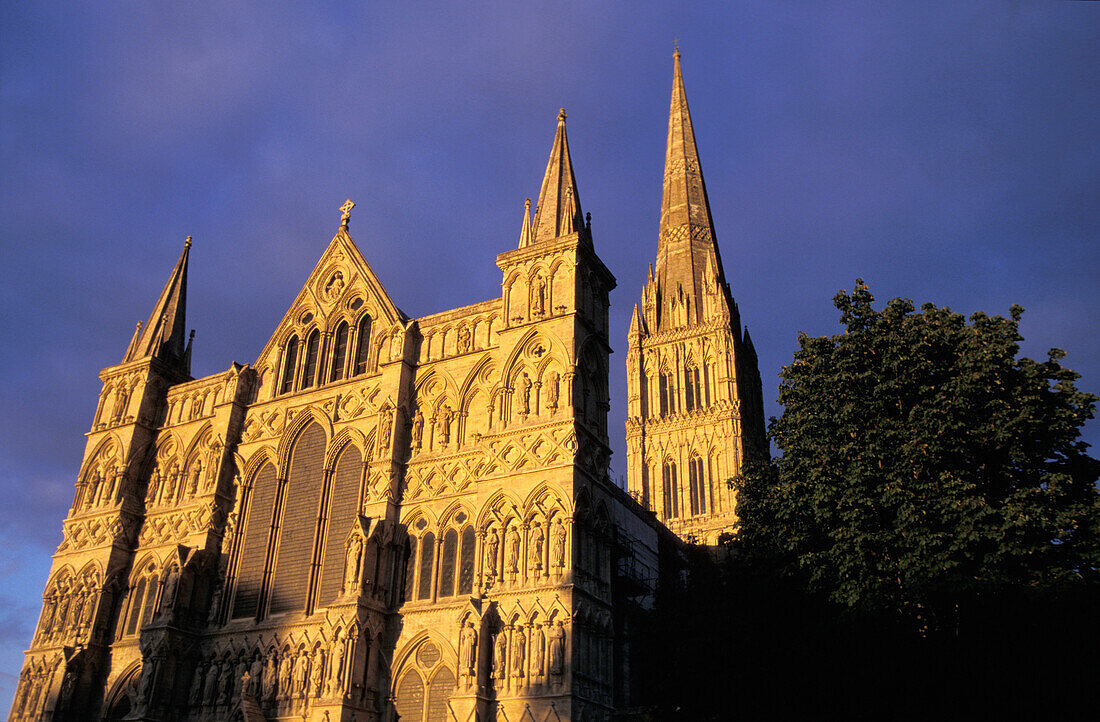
<point x="944" y="152"/>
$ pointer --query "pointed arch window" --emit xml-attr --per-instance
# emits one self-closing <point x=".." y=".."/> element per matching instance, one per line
<point x="447" y="559"/>
<point x="297" y="528"/>
<point x="466" y="564"/>
<point x="706" y="383"/>
<point x="697" y="486"/>
<point x="427" y="557"/>
<point x="339" y="352"/>
<point x="309" y="373"/>
<point x="258" y="506"/>
<point x="343" y="507"/>
<point x="671" y="489"/>
<point x="290" y="362"/>
<point x="362" y="345"/>
<point x="410" y="570"/>
<point x="691" y="386"/>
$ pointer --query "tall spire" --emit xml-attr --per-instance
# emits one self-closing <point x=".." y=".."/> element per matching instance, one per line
<point x="687" y="240"/>
<point x="164" y="335"/>
<point x="559" y="209"/>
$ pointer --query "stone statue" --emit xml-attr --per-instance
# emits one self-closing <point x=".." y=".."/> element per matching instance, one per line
<point x="557" y="649"/>
<point x="519" y="651"/>
<point x="284" y="677"/>
<point x="538" y="650"/>
<point x="395" y="346"/>
<point x="492" y="549"/>
<point x="195" y="477"/>
<point x="48" y="608"/>
<point x="463" y="340"/>
<point x="534" y="547"/>
<point x="228" y="684"/>
<point x="317" y="675"/>
<point x="154" y="486"/>
<point x="240" y="679"/>
<point x="385" y="424"/>
<point x="336" y="672"/>
<point x="145" y="686"/>
<point x="301" y="674"/>
<point x="353" y="565"/>
<point x="418" y="429"/>
<point x="445" y="417"/>
<point x="513" y="549"/>
<point x="194" y="697"/>
<point x="552" y="390"/>
<point x="557" y="544"/>
<point x="500" y="655"/>
<point x="170" y="485"/>
<point x="467" y="649"/>
<point x="210" y="689"/>
<point x="268" y="691"/>
<point x="256" y="677"/>
<point x="170" y="586"/>
<point x="525" y="392"/>
<point x="89" y="609"/>
<point x="540" y="295"/>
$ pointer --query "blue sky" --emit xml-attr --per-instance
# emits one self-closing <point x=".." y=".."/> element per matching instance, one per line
<point x="945" y="152"/>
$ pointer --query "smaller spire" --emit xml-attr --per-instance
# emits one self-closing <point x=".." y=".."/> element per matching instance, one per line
<point x="345" y="213"/>
<point x="162" y="336"/>
<point x="558" y="212"/>
<point x="525" y="229"/>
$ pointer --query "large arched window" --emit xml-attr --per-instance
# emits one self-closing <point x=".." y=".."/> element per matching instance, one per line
<point x="427" y="556"/>
<point x="439" y="692"/>
<point x="671" y="489"/>
<point x="290" y="363"/>
<point x="343" y="508"/>
<point x="410" y="698"/>
<point x="309" y="372"/>
<point x="258" y="505"/>
<point x="697" y="486"/>
<point x="447" y="560"/>
<point x="297" y="528"/>
<point x="339" y="353"/>
<point x="362" y="345"/>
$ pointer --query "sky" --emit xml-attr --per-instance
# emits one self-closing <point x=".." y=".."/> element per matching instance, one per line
<point x="943" y="152"/>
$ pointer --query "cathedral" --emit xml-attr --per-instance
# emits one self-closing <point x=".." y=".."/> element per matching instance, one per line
<point x="390" y="518"/>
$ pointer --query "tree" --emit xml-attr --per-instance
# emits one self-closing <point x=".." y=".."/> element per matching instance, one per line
<point x="923" y="465"/>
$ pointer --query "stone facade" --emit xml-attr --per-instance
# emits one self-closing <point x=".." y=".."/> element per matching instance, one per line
<point x="383" y="517"/>
<point x="695" y="406"/>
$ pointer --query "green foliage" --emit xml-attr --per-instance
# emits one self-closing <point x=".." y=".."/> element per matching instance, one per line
<point x="923" y="465"/>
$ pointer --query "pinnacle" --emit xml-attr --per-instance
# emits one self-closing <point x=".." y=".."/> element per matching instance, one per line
<point x="558" y="212"/>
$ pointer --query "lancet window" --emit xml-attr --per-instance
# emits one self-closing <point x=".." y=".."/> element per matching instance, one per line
<point x="290" y="364"/>
<point x="456" y="562"/>
<point x="339" y="352"/>
<point x="143" y="599"/>
<point x="697" y="486"/>
<point x="671" y="489"/>
<point x="296" y="530"/>
<point x="362" y="345"/>
<point x="309" y="372"/>
<point x="343" y="508"/>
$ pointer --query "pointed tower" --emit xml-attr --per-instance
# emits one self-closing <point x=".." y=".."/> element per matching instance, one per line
<point x="163" y="336"/>
<point x="694" y="398"/>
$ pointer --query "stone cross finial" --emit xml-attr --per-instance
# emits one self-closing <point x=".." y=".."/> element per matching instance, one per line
<point x="187" y="243"/>
<point x="345" y="211"/>
<point x="561" y="115"/>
